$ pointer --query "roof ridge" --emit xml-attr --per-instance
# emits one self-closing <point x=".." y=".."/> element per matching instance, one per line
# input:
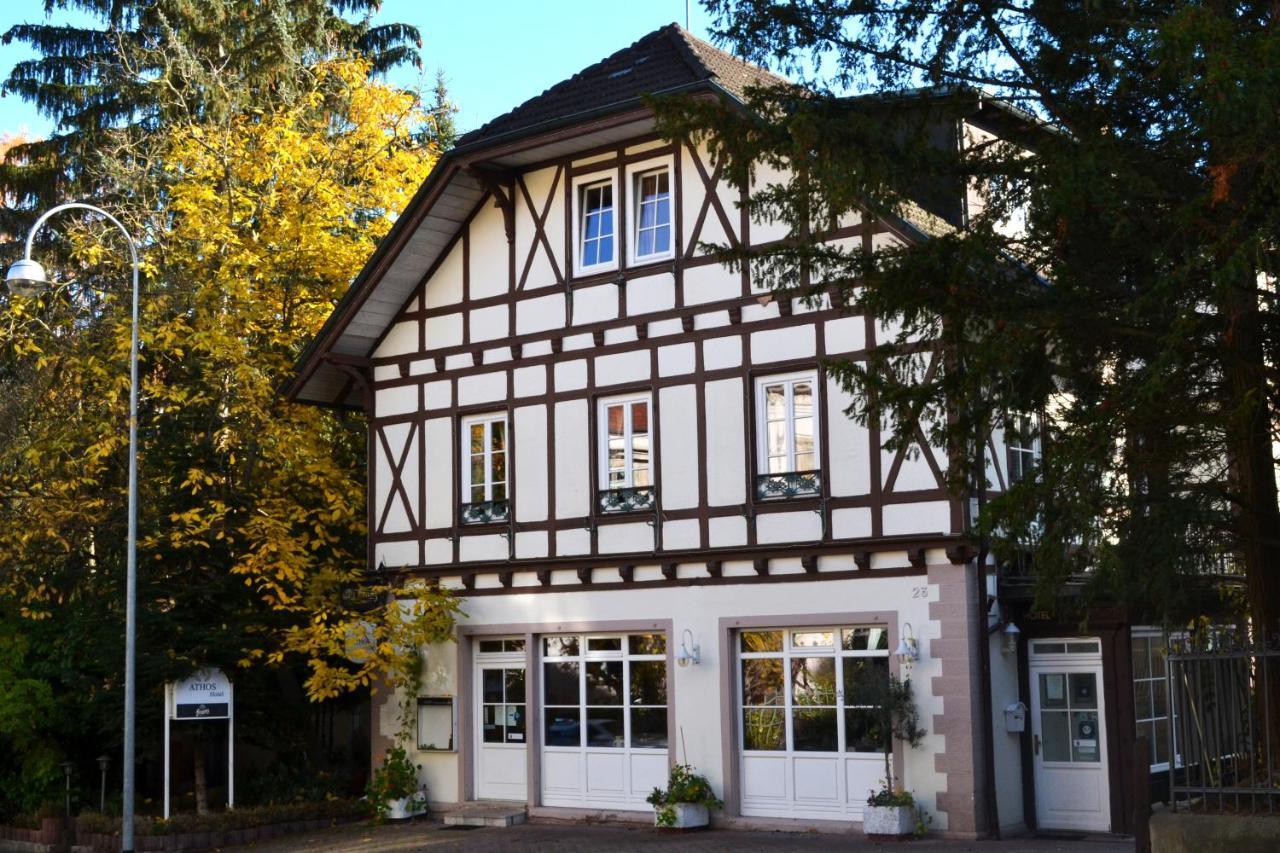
<point x="682" y="39"/>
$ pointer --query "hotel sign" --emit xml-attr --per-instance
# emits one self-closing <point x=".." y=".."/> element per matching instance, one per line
<point x="204" y="696"/>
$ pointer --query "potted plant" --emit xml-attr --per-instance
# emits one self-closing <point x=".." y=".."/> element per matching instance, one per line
<point x="394" y="791"/>
<point x="891" y="810"/>
<point x="687" y="801"/>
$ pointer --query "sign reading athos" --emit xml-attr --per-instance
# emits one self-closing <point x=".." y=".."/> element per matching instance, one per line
<point x="204" y="696"/>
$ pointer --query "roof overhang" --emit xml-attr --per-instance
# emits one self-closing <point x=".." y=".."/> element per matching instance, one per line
<point x="425" y="230"/>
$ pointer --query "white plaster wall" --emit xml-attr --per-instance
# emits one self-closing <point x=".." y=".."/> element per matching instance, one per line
<point x="678" y="446"/>
<point x="726" y="442"/>
<point x="445" y="285"/>
<point x="539" y="315"/>
<point x="573" y="489"/>
<point x="849" y="446"/>
<point x="401" y="339"/>
<point x="489" y="324"/>
<point x="438" y="464"/>
<point x="489" y="260"/>
<point x="530" y="435"/>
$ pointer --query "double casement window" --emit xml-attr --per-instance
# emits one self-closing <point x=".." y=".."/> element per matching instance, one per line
<point x="634" y="208"/>
<point x="484" y="469"/>
<point x="787" y="430"/>
<point x="652" y="215"/>
<point x="814" y="689"/>
<point x="1022" y="440"/>
<point x="596" y="227"/>
<point x="625" y="459"/>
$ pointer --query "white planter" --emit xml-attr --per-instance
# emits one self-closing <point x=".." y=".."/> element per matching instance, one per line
<point x="889" y="820"/>
<point x="688" y="816"/>
<point x="407" y="807"/>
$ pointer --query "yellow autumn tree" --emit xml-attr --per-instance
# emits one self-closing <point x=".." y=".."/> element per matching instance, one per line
<point x="253" y="509"/>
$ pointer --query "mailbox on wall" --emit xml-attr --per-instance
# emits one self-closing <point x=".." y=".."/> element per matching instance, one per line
<point x="1015" y="717"/>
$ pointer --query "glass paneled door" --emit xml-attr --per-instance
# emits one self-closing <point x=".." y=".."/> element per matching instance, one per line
<point x="1068" y="743"/>
<point x="501" y="710"/>
<point x="604" y="719"/>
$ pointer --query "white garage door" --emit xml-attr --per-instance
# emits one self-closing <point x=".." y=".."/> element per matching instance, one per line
<point x="812" y="745"/>
<point x="604" y="718"/>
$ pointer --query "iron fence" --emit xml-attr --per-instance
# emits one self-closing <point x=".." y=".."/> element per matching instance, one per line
<point x="1224" y="737"/>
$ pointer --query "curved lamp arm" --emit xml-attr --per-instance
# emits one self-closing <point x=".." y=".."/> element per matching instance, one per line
<point x="79" y="205"/>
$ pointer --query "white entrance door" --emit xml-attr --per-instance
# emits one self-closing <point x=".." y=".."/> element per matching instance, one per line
<point x="1068" y="737"/>
<point x="501" y="770"/>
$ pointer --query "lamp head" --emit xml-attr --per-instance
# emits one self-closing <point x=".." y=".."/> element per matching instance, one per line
<point x="26" y="278"/>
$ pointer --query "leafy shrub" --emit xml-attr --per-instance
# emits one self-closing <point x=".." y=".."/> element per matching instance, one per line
<point x="395" y="779"/>
<point x="683" y="786"/>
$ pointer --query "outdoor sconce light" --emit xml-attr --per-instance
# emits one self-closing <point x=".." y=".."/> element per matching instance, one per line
<point x="1010" y="632"/>
<point x="908" y="651"/>
<point x="690" y="652"/>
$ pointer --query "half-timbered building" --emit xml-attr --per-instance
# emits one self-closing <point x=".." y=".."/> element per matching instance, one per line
<point x="671" y="543"/>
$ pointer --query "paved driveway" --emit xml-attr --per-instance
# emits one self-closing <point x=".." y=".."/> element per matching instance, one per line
<point x="580" y="838"/>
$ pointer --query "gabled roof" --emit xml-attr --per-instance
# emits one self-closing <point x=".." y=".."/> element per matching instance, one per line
<point x="666" y="59"/>
<point x="600" y="105"/>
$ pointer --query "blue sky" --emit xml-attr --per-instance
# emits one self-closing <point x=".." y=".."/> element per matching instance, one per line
<point x="495" y="53"/>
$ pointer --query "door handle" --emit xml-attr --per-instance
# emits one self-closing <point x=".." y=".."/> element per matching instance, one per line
<point x="1035" y="744"/>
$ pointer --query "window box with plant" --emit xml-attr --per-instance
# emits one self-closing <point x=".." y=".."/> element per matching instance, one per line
<point x="687" y="801"/>
<point x="892" y="809"/>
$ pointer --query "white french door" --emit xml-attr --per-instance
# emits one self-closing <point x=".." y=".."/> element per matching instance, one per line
<point x="604" y="718"/>
<point x="501" y="769"/>
<point x="810" y="736"/>
<point x="1068" y="734"/>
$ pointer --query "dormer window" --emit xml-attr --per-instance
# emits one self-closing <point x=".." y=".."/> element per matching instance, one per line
<point x="596" y="231"/>
<point x="653" y="215"/>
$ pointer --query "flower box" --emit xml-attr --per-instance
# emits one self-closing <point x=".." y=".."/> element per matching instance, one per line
<point x="687" y="816"/>
<point x="404" y="808"/>
<point x="895" y="821"/>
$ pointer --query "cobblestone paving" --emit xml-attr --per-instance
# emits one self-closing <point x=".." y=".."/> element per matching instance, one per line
<point x="531" y="838"/>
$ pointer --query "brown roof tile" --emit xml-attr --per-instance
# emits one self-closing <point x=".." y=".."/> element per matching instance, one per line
<point x="665" y="59"/>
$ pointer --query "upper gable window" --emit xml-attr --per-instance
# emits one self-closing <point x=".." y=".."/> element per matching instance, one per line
<point x="652" y="215"/>
<point x="484" y="468"/>
<point x="596" y="236"/>
<point x="1022" y="439"/>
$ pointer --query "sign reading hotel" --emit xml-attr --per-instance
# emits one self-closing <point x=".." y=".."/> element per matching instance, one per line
<point x="204" y="696"/>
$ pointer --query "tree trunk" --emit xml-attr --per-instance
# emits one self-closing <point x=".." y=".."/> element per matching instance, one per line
<point x="201" y="783"/>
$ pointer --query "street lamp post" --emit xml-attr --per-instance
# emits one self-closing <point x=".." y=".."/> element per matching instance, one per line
<point x="27" y="276"/>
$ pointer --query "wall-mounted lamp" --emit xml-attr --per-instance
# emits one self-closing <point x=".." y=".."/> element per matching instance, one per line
<point x="908" y="651"/>
<point x="1011" y="632"/>
<point x="690" y="652"/>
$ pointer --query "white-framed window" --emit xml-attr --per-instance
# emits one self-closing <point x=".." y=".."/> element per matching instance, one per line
<point x="605" y="692"/>
<point x="814" y="689"/>
<point x="1022" y="441"/>
<point x="484" y="458"/>
<point x="788" y="435"/>
<point x="597" y="228"/>
<point x="626" y="461"/>
<point x="1151" y="694"/>
<point x="651" y="217"/>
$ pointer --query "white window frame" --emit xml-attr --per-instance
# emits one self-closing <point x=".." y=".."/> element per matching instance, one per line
<point x="602" y="440"/>
<point x="791" y="650"/>
<point x="1143" y="723"/>
<point x="488" y="420"/>
<point x="635" y="179"/>
<point x="762" y="420"/>
<point x="580" y="188"/>
<point x="1014" y="447"/>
